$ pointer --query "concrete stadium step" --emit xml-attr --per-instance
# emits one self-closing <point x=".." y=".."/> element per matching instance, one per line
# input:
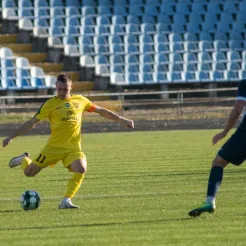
<point x="8" y="38"/>
<point x="34" y="57"/>
<point x="82" y="86"/>
<point x="19" y="48"/>
<point x="74" y="75"/>
<point x="49" y="67"/>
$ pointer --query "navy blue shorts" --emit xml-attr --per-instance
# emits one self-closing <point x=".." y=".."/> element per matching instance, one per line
<point x="234" y="150"/>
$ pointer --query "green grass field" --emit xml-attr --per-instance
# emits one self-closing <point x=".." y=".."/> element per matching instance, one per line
<point x="138" y="190"/>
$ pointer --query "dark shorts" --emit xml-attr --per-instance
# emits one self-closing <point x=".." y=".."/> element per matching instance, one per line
<point x="234" y="150"/>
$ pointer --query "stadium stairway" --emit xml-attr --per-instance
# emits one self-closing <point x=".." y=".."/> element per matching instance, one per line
<point x="40" y="59"/>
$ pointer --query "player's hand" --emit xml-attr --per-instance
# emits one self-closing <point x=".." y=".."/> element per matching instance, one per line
<point x="127" y="123"/>
<point x="6" y="141"/>
<point x="218" y="137"/>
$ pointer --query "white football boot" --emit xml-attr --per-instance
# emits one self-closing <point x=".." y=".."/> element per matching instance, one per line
<point x="16" y="161"/>
<point x="67" y="203"/>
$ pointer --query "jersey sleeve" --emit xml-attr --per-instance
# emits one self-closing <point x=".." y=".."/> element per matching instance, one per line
<point x="43" y="111"/>
<point x="242" y="91"/>
<point x="89" y="107"/>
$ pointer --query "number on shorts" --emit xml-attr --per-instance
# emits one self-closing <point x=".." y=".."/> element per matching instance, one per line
<point x="41" y="158"/>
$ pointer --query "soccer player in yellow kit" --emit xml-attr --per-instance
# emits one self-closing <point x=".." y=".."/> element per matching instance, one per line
<point x="64" y="112"/>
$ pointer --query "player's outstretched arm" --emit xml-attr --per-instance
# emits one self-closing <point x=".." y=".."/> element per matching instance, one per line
<point x="26" y="127"/>
<point x="231" y="121"/>
<point x="108" y="114"/>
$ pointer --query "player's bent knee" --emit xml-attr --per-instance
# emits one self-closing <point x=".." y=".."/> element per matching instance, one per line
<point x="32" y="170"/>
<point x="219" y="162"/>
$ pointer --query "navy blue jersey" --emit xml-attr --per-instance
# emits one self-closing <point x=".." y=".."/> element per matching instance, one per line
<point x="241" y="95"/>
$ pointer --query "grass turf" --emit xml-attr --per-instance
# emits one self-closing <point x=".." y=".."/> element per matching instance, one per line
<point x="138" y="190"/>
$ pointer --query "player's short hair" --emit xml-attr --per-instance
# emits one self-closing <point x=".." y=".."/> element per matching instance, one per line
<point x="64" y="78"/>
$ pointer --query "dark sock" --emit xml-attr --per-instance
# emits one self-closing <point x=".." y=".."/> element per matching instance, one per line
<point x="214" y="181"/>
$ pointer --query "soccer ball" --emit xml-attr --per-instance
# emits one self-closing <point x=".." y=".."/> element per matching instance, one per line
<point x="30" y="200"/>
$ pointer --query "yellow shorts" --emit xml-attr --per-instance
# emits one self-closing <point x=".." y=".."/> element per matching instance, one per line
<point x="50" y="155"/>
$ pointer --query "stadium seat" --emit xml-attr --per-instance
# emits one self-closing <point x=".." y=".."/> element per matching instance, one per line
<point x="203" y="76"/>
<point x="198" y="7"/>
<point x="230" y="7"/>
<point x="191" y="46"/>
<point x="160" y="77"/>
<point x="231" y="75"/>
<point x="188" y="76"/>
<point x="217" y="76"/>
<point x="220" y="45"/>
<point x="118" y="20"/>
<point x="206" y="46"/>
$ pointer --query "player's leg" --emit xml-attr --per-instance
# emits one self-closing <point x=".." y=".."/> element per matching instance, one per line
<point x="214" y="182"/>
<point x="78" y="167"/>
<point x="29" y="168"/>
<point x="233" y="151"/>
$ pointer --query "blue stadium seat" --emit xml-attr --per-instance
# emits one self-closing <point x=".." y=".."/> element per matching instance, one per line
<point x="226" y="18"/>
<point x="148" y="28"/>
<point x="118" y="20"/>
<point x="105" y="2"/>
<point x="191" y="46"/>
<point x="162" y="48"/>
<point x="183" y="8"/>
<point x="131" y="59"/>
<point x="148" y="19"/>
<point x="223" y="27"/>
<point x="173" y="67"/>
<point x="220" y="45"/>
<point x="204" y="66"/>
<point x="132" y="49"/>
<point x="217" y="76"/>
<point x="195" y="17"/>
<point x="236" y="36"/>
<point x="133" y="29"/>
<point x="160" y="77"/>
<point x="230" y="7"/>
<point x="135" y="10"/>
<point x="160" y="38"/>
<point x="116" y="69"/>
<point x="236" y="45"/>
<point x="161" y="59"/>
<point x="161" y="68"/>
<point x="233" y="66"/>
<point x="189" y="76"/>
<point x="103" y="20"/>
<point x="174" y="77"/>
<point x="178" y="28"/>
<point x="115" y="39"/>
<point x="177" y="47"/>
<point x="205" y="46"/>
<point x="89" y="2"/>
<point x="193" y="27"/>
<point x="179" y="18"/>
<point x="117" y="59"/>
<point x="132" y="78"/>
<point x="238" y="26"/>
<point x="190" y="37"/>
<point x="104" y="10"/>
<point x="220" y="36"/>
<point x="120" y="10"/>
<point x="219" y="56"/>
<point x="175" y="37"/>
<point x="219" y="66"/>
<point x="102" y="30"/>
<point x="198" y="7"/>
<point x="231" y="75"/>
<point x="175" y="58"/>
<point x="205" y="36"/>
<point x="167" y="8"/>
<point x="241" y="17"/>
<point x="209" y="27"/>
<point x="214" y="7"/>
<point x="88" y="21"/>
<point x="132" y="69"/>
<point x="131" y="19"/>
<point x="163" y="28"/>
<point x="163" y="18"/>
<point x="146" y="58"/>
<point x="117" y="49"/>
<point x="190" y="67"/>
<point x="233" y="56"/>
<point x="146" y="78"/>
<point x="190" y="57"/>
<point x="204" y="57"/>
<point x="118" y="30"/>
<point x="242" y="6"/>
<point x="8" y="4"/>
<point x="88" y="10"/>
<point x="151" y="9"/>
<point x="203" y="76"/>
<point x="120" y="2"/>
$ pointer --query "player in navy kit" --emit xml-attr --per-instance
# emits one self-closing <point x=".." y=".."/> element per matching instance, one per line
<point x="233" y="151"/>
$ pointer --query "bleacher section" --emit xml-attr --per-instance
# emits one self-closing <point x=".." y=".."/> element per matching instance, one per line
<point x="135" y="42"/>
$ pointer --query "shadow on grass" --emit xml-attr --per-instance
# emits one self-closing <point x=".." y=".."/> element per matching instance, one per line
<point x="95" y="224"/>
<point x="11" y="211"/>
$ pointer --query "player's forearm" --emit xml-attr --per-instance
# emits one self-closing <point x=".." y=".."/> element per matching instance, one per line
<point x="110" y="115"/>
<point x="26" y="127"/>
<point x="232" y="120"/>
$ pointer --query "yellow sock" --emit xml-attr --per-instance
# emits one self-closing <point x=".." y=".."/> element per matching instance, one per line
<point x="25" y="162"/>
<point x="74" y="184"/>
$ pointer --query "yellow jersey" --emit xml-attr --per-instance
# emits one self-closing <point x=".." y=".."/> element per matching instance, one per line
<point x="65" y="118"/>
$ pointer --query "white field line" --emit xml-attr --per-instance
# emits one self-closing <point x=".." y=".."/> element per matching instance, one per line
<point x="96" y="196"/>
